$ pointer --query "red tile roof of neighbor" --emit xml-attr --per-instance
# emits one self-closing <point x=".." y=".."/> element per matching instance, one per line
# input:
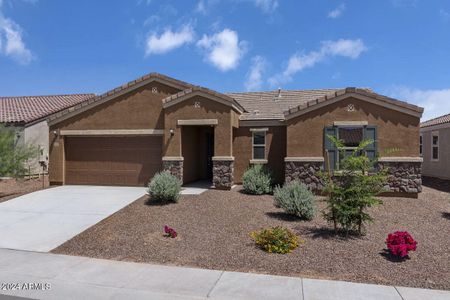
<point x="436" y="121"/>
<point x="26" y="109"/>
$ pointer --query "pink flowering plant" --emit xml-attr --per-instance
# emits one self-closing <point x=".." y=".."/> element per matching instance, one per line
<point x="170" y="232"/>
<point x="400" y="243"/>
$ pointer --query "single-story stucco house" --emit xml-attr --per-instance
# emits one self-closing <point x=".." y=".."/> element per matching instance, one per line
<point x="435" y="147"/>
<point x="155" y="122"/>
<point x="27" y="117"/>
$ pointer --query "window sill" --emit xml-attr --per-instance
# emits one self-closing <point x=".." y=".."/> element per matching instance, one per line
<point x="258" y="161"/>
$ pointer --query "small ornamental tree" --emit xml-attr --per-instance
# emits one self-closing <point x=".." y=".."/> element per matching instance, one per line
<point x="13" y="155"/>
<point x="353" y="189"/>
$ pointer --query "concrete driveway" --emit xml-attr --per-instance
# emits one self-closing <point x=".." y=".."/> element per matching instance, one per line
<point x="43" y="220"/>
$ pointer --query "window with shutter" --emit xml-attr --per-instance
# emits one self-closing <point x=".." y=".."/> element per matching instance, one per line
<point x="331" y="152"/>
<point x="350" y="136"/>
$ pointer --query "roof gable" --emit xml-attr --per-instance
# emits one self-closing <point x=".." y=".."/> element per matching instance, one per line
<point x="204" y="92"/>
<point x="361" y="94"/>
<point x="116" y="92"/>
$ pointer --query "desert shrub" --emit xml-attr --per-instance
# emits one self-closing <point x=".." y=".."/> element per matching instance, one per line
<point x="14" y="155"/>
<point x="257" y="180"/>
<point x="170" y="232"/>
<point x="296" y="199"/>
<point x="276" y="240"/>
<point x="164" y="187"/>
<point x="351" y="192"/>
<point x="400" y="243"/>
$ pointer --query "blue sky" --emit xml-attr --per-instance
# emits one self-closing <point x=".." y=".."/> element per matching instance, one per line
<point x="399" y="48"/>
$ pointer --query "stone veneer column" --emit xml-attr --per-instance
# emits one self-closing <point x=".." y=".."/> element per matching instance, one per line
<point x="174" y="165"/>
<point x="404" y="174"/>
<point x="223" y="172"/>
<point x="305" y="169"/>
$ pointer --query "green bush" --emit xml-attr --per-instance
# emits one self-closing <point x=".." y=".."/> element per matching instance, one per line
<point x="164" y="187"/>
<point x="354" y="191"/>
<point x="276" y="240"/>
<point x="295" y="198"/>
<point x="257" y="180"/>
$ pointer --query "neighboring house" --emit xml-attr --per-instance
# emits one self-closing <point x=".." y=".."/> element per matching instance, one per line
<point x="155" y="122"/>
<point x="435" y="147"/>
<point x="27" y="117"/>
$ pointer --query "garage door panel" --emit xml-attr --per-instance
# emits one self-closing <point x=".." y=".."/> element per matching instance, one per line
<point x="112" y="160"/>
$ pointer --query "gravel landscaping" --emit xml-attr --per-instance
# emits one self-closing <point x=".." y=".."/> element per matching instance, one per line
<point x="12" y="188"/>
<point x="213" y="232"/>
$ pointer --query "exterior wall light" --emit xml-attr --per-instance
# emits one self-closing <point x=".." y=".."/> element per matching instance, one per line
<point x="172" y="132"/>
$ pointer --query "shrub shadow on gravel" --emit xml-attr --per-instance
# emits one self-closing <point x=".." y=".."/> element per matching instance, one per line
<point x="446" y="215"/>
<point x="388" y="256"/>
<point x="282" y="216"/>
<point x="328" y="233"/>
<point x="153" y="202"/>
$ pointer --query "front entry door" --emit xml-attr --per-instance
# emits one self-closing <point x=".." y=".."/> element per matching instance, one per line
<point x="209" y="154"/>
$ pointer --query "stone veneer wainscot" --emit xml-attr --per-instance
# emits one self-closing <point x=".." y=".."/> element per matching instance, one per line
<point x="404" y="174"/>
<point x="174" y="165"/>
<point x="223" y="172"/>
<point x="306" y="170"/>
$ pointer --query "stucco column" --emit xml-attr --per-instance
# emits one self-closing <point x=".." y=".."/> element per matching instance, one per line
<point x="223" y="172"/>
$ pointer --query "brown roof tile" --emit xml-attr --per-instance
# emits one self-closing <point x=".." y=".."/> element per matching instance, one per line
<point x="27" y="109"/>
<point x="270" y="105"/>
<point x="436" y="121"/>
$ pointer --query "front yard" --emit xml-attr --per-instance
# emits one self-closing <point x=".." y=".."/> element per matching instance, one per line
<point x="12" y="188"/>
<point x="213" y="232"/>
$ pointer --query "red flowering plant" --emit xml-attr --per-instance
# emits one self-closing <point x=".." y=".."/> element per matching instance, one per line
<point x="400" y="243"/>
<point x="170" y="232"/>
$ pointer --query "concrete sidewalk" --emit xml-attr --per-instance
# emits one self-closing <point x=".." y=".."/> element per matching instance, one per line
<point x="69" y="277"/>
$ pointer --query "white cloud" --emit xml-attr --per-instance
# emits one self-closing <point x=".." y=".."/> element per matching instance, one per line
<point x="445" y="15"/>
<point x="267" y="6"/>
<point x="298" y="62"/>
<point x="223" y="49"/>
<point x="435" y="102"/>
<point x="201" y="7"/>
<point x="337" y="12"/>
<point x="169" y="40"/>
<point x="254" y="78"/>
<point x="11" y="42"/>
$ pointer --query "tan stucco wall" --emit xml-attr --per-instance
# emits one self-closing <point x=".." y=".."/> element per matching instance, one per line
<point x="395" y="129"/>
<point x="440" y="168"/>
<point x="138" y="109"/>
<point x="37" y="135"/>
<point x="209" y="109"/>
<point x="275" y="151"/>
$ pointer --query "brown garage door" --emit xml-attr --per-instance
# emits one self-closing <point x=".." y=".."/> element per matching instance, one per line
<point x="129" y="161"/>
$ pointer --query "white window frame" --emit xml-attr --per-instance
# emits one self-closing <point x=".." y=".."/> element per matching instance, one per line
<point x="421" y="145"/>
<point x="435" y="134"/>
<point x="263" y="131"/>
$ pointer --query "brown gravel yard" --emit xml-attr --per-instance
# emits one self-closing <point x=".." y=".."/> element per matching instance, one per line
<point x="12" y="188"/>
<point x="213" y="233"/>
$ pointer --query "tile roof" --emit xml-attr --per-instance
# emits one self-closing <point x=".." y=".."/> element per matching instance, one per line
<point x="272" y="104"/>
<point x="25" y="109"/>
<point x="436" y="121"/>
<point x="269" y="105"/>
